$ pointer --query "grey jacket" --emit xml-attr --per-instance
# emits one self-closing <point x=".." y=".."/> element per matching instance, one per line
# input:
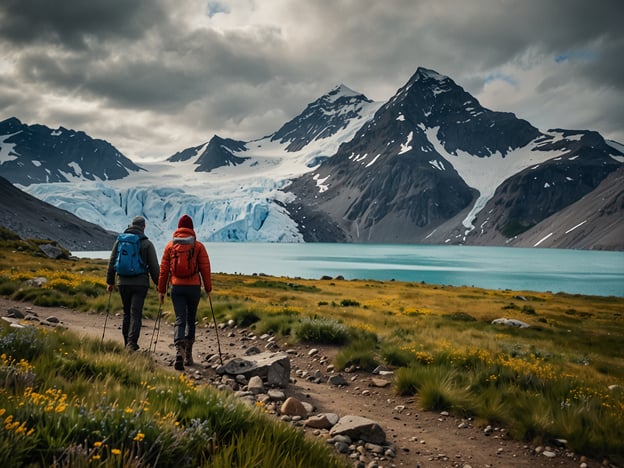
<point x="148" y="254"/>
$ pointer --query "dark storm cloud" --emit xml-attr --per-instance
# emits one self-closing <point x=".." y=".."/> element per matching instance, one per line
<point x="72" y="23"/>
<point x="241" y="68"/>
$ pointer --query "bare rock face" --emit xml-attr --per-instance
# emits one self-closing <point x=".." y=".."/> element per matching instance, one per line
<point x="273" y="368"/>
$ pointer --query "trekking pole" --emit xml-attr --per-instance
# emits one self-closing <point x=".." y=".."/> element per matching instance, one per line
<point x="156" y="322"/>
<point x="110" y="294"/>
<point x="216" y="331"/>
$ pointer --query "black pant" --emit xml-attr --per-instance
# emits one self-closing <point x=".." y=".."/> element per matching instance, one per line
<point x="185" y="301"/>
<point x="132" y="298"/>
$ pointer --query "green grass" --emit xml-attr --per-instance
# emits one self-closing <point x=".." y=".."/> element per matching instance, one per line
<point x="75" y="402"/>
<point x="550" y="380"/>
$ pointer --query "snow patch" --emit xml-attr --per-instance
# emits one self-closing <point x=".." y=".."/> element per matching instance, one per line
<point x="373" y="161"/>
<point x="437" y="164"/>
<point x="320" y="183"/>
<point x="542" y="239"/>
<point x="405" y="146"/>
<point x="570" y="137"/>
<point x="485" y="174"/>
<point x="573" y="228"/>
<point x="6" y="149"/>
<point x="77" y="169"/>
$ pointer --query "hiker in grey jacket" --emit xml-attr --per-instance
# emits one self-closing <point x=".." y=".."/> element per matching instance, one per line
<point x="133" y="289"/>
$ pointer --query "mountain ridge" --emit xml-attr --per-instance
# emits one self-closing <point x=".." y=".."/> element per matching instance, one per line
<point x="31" y="154"/>
<point x="430" y="165"/>
<point x="32" y="218"/>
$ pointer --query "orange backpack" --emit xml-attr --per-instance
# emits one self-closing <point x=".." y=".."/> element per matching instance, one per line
<point x="184" y="260"/>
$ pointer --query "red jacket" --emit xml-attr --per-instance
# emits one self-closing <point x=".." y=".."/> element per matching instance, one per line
<point x="203" y="261"/>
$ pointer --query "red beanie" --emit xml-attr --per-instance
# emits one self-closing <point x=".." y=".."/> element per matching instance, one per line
<point x="185" y="222"/>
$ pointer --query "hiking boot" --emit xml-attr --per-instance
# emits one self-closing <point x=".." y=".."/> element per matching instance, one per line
<point x="132" y="347"/>
<point x="188" y="353"/>
<point x="179" y="359"/>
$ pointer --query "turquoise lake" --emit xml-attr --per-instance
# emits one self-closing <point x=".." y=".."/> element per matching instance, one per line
<point x="557" y="270"/>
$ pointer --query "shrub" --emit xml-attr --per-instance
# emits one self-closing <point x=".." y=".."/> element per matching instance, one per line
<point x="460" y="317"/>
<point x="276" y="325"/>
<point x="245" y="318"/>
<point x="265" y="283"/>
<point x="528" y="310"/>
<point x="349" y="303"/>
<point x="360" y="353"/>
<point x="322" y="331"/>
<point x="396" y="356"/>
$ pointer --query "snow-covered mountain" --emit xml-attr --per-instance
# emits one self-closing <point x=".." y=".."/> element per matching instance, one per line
<point x="34" y="154"/>
<point x="431" y="165"/>
<point x="434" y="166"/>
<point x="230" y="188"/>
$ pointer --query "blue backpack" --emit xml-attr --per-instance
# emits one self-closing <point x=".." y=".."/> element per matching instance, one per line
<point x="129" y="261"/>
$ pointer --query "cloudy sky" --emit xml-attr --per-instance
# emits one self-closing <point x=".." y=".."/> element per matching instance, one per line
<point x="156" y="76"/>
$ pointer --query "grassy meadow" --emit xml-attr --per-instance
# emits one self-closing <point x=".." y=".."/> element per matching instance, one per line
<point x="561" y="378"/>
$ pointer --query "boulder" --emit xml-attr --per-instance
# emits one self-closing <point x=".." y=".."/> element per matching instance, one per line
<point x="293" y="407"/>
<point x="510" y="323"/>
<point x="322" y="421"/>
<point x="52" y="251"/>
<point x="255" y="385"/>
<point x="359" y="428"/>
<point x="273" y="368"/>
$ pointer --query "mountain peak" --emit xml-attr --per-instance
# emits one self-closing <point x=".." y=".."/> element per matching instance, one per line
<point x="425" y="73"/>
<point x="342" y="91"/>
<point x="10" y="125"/>
<point x="329" y="114"/>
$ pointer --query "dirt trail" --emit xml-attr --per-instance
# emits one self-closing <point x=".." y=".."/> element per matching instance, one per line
<point x="421" y="438"/>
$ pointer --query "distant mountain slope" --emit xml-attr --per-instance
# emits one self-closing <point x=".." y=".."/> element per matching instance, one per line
<point x="32" y="154"/>
<point x="594" y="222"/>
<point x="29" y="217"/>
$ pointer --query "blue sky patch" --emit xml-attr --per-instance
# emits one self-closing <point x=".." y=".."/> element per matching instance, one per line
<point x="212" y="8"/>
<point x="501" y="77"/>
<point x="578" y="54"/>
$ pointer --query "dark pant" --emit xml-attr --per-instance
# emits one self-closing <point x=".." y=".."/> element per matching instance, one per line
<point x="132" y="298"/>
<point x="185" y="301"/>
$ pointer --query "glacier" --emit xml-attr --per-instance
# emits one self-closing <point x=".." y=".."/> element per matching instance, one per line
<point x="241" y="203"/>
<point x="222" y="209"/>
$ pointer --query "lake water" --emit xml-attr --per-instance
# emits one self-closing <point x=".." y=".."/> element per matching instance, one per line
<point x="573" y="271"/>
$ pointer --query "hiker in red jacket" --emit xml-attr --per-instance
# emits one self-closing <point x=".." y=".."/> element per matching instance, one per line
<point x="185" y="265"/>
